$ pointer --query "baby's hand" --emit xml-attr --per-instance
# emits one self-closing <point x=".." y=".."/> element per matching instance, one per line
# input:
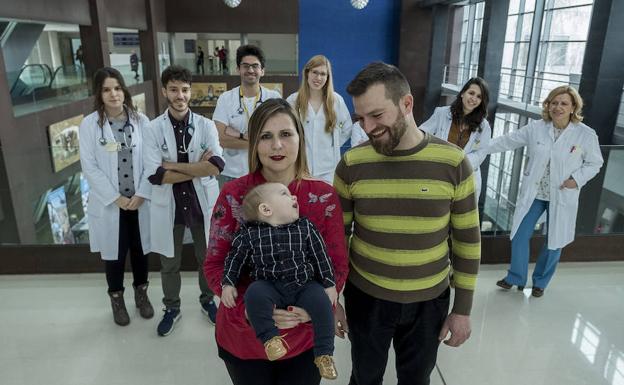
<point x="332" y="294"/>
<point x="228" y="296"/>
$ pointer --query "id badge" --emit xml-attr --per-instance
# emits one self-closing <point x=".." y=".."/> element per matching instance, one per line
<point x="113" y="147"/>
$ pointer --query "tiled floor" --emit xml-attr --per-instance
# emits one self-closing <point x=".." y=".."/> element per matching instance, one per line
<point x="59" y="330"/>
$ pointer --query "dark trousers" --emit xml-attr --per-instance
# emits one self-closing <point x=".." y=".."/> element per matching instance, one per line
<point x="129" y="240"/>
<point x="261" y="296"/>
<point x="170" y="267"/>
<point x="412" y="328"/>
<point x="299" y="370"/>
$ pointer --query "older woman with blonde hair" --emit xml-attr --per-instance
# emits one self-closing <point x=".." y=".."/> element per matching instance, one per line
<point x="326" y="120"/>
<point x="563" y="155"/>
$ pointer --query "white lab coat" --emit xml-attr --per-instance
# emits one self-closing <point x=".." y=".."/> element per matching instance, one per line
<point x="576" y="153"/>
<point x="99" y="166"/>
<point x="229" y="111"/>
<point x="439" y="125"/>
<point x="323" y="148"/>
<point x="204" y="137"/>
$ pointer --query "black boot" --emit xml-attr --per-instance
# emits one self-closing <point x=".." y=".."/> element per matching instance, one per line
<point x="120" y="314"/>
<point x="142" y="301"/>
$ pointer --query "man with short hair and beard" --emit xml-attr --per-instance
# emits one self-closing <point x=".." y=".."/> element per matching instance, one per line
<point x="182" y="155"/>
<point x="402" y="193"/>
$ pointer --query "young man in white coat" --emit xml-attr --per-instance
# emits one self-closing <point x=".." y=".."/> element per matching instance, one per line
<point x="235" y="107"/>
<point x="181" y="149"/>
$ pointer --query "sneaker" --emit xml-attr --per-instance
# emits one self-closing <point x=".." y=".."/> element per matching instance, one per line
<point x="505" y="285"/>
<point x="166" y="325"/>
<point x="326" y="367"/>
<point x="210" y="310"/>
<point x="275" y="349"/>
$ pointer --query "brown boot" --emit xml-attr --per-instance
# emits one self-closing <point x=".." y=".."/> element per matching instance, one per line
<point x="142" y="301"/>
<point x="275" y="349"/>
<point x="120" y="314"/>
<point x="325" y="364"/>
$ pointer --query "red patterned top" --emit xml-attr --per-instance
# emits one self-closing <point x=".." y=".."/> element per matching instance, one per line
<point x="318" y="201"/>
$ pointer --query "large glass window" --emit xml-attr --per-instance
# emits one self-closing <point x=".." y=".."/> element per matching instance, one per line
<point x="562" y="45"/>
<point x="43" y="64"/>
<point x="125" y="53"/>
<point x="472" y="25"/>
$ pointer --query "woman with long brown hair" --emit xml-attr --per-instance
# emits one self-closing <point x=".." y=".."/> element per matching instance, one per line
<point x="111" y="140"/>
<point x="277" y="153"/>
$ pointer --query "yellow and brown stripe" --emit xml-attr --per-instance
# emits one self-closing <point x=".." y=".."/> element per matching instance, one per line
<point x="398" y="213"/>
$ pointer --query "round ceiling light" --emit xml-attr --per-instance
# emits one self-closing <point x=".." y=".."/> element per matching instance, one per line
<point x="359" y="4"/>
<point x="232" y="3"/>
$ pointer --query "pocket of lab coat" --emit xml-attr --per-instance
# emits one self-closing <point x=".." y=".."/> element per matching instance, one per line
<point x="569" y="196"/>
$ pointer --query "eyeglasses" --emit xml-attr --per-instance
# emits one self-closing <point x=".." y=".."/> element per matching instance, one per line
<point x="319" y="74"/>
<point x="246" y="66"/>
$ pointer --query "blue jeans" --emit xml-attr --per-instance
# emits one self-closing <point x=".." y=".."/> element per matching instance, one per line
<point x="520" y="246"/>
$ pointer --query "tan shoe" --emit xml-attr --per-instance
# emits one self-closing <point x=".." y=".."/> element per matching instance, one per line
<point x="326" y="367"/>
<point x="275" y="349"/>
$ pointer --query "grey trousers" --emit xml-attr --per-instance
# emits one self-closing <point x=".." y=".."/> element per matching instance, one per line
<point x="170" y="267"/>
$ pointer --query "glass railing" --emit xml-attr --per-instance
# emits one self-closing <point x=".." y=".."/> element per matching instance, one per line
<point x="601" y="204"/>
<point x="211" y="67"/>
<point x="37" y="87"/>
<point x="456" y="76"/>
<point x="57" y="195"/>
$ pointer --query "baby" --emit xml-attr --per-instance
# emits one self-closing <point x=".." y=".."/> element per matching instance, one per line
<point x="289" y="265"/>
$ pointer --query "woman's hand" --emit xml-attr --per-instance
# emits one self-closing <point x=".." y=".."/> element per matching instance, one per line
<point x="332" y="294"/>
<point x="568" y="183"/>
<point x="228" y="296"/>
<point x="122" y="202"/>
<point x="135" y="202"/>
<point x="287" y="319"/>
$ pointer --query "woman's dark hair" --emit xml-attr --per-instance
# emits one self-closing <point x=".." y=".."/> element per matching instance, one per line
<point x="98" y="82"/>
<point x="475" y="118"/>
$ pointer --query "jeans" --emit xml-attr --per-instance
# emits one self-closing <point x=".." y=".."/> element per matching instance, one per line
<point x="520" y="247"/>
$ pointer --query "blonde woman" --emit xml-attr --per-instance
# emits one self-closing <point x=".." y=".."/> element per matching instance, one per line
<point x="326" y="120"/>
<point x="564" y="155"/>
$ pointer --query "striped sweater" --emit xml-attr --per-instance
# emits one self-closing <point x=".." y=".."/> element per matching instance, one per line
<point x="398" y="213"/>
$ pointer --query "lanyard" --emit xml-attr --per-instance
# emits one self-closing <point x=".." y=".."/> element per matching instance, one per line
<point x="244" y="105"/>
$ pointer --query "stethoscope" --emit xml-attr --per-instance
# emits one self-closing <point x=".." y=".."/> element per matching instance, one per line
<point x="190" y="128"/>
<point x="127" y="124"/>
<point x="243" y="107"/>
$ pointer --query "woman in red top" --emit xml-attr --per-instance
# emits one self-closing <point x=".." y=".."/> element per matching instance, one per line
<point x="276" y="154"/>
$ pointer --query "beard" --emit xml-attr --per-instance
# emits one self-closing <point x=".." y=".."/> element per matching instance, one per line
<point x="395" y="133"/>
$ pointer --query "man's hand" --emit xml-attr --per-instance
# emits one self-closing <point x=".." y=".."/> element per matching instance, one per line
<point x="206" y="156"/>
<point x="229" y="131"/>
<point x="459" y="327"/>
<point x="340" y="321"/>
<point x="332" y="294"/>
<point x="135" y="203"/>
<point x="122" y="202"/>
<point x="228" y="296"/>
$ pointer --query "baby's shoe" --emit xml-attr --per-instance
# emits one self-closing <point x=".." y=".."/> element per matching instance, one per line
<point x="275" y="349"/>
<point x="325" y="364"/>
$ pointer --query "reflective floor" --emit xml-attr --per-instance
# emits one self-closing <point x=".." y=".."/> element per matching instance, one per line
<point x="58" y="330"/>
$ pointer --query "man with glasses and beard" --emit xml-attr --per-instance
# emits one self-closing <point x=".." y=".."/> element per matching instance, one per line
<point x="234" y="108"/>
<point x="181" y="155"/>
<point x="402" y="193"/>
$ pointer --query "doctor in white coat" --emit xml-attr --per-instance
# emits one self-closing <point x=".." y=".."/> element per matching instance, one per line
<point x="326" y="120"/>
<point x="111" y="144"/>
<point x="464" y="124"/>
<point x="182" y="156"/>
<point x="235" y="107"/>
<point x="564" y="155"/>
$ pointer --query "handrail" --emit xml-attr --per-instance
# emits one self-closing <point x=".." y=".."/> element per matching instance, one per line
<point x="44" y="66"/>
